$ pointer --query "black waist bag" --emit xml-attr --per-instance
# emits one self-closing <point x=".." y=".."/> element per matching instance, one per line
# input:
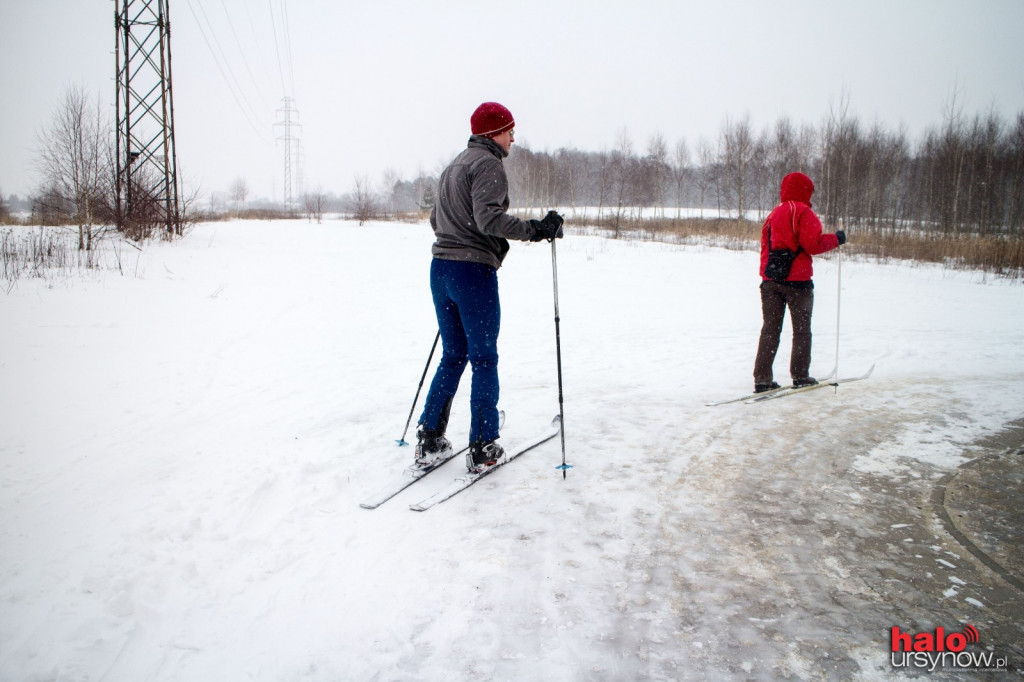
<point x="780" y="261"/>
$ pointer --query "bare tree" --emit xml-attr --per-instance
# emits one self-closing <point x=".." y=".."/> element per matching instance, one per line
<point x="575" y="166"/>
<point x="706" y="173"/>
<point x="622" y="173"/>
<point x="1014" y="176"/>
<point x="604" y="174"/>
<point x="680" y="168"/>
<point x="761" y="173"/>
<point x="737" y="154"/>
<point x="239" y="192"/>
<point x="75" y="160"/>
<point x="951" y="165"/>
<point x="839" y="160"/>
<point x="782" y="153"/>
<point x="658" y="169"/>
<point x="391" y="180"/>
<point x="363" y="202"/>
<point x="315" y="202"/>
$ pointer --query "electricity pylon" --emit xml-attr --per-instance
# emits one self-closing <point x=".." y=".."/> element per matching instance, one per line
<point x="146" y="164"/>
<point x="289" y="135"/>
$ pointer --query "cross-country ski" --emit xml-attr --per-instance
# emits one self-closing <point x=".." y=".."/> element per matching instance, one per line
<point x="790" y="390"/>
<point x="466" y="480"/>
<point x="414" y="472"/>
<point x="773" y="391"/>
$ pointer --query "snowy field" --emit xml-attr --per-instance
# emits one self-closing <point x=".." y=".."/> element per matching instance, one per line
<point x="183" y="452"/>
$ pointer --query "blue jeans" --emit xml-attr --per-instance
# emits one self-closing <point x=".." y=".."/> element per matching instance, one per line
<point x="468" y="316"/>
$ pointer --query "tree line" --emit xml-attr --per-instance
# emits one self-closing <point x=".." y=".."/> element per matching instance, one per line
<point x="962" y="177"/>
<point x="965" y="176"/>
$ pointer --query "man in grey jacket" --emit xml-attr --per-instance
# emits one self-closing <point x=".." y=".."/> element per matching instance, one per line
<point x="472" y="229"/>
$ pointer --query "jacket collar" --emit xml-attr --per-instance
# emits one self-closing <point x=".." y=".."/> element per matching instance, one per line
<point x="488" y="144"/>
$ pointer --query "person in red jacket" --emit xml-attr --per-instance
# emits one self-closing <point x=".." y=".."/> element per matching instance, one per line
<point x="791" y="225"/>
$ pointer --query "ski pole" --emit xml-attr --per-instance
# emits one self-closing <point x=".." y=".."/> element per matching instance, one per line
<point x="839" y="295"/>
<point x="558" y="355"/>
<point x="401" y="441"/>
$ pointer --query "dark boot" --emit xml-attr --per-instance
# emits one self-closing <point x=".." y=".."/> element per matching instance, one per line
<point x="483" y="455"/>
<point x="431" y="447"/>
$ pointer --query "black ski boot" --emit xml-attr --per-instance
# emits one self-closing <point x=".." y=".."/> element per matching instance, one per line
<point x="432" y="447"/>
<point x="483" y="455"/>
<point x="762" y="388"/>
<point x="805" y="381"/>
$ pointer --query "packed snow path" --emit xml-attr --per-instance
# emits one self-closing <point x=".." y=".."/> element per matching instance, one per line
<point x="184" y="450"/>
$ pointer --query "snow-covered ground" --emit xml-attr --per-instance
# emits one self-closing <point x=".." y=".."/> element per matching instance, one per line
<point x="183" y="452"/>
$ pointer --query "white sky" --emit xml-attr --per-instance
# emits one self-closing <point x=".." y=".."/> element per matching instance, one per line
<point x="390" y="84"/>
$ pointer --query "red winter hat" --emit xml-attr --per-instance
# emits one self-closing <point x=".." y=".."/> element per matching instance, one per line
<point x="796" y="187"/>
<point x="490" y="118"/>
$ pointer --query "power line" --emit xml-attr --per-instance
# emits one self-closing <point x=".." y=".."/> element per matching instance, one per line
<point x="277" y="47"/>
<point x="230" y="81"/>
<point x="260" y="52"/>
<point x="288" y="47"/>
<point x="245" y="59"/>
<point x="218" y="52"/>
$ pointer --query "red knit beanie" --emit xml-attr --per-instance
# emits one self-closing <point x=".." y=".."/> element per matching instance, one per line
<point x="490" y="119"/>
<point x="796" y="187"/>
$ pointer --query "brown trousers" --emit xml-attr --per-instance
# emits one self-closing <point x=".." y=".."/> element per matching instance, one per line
<point x="775" y="298"/>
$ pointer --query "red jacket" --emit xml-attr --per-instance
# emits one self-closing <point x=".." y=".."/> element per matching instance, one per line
<point x="804" y="231"/>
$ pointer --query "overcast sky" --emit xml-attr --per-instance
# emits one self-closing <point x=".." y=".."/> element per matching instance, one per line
<point x="390" y="84"/>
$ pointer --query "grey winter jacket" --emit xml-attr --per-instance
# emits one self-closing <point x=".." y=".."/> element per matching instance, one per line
<point x="469" y="217"/>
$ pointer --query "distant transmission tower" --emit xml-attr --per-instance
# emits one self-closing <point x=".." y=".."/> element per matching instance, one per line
<point x="147" y="185"/>
<point x="289" y="135"/>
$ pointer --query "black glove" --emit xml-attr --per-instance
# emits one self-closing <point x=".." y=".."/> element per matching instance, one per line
<point x="549" y="228"/>
<point x="841" y="235"/>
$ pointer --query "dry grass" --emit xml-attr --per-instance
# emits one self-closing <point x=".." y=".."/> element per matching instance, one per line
<point x="31" y="252"/>
<point x="998" y="254"/>
<point x="52" y="254"/>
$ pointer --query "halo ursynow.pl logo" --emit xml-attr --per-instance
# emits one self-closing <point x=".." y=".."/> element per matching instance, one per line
<point x="939" y="649"/>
